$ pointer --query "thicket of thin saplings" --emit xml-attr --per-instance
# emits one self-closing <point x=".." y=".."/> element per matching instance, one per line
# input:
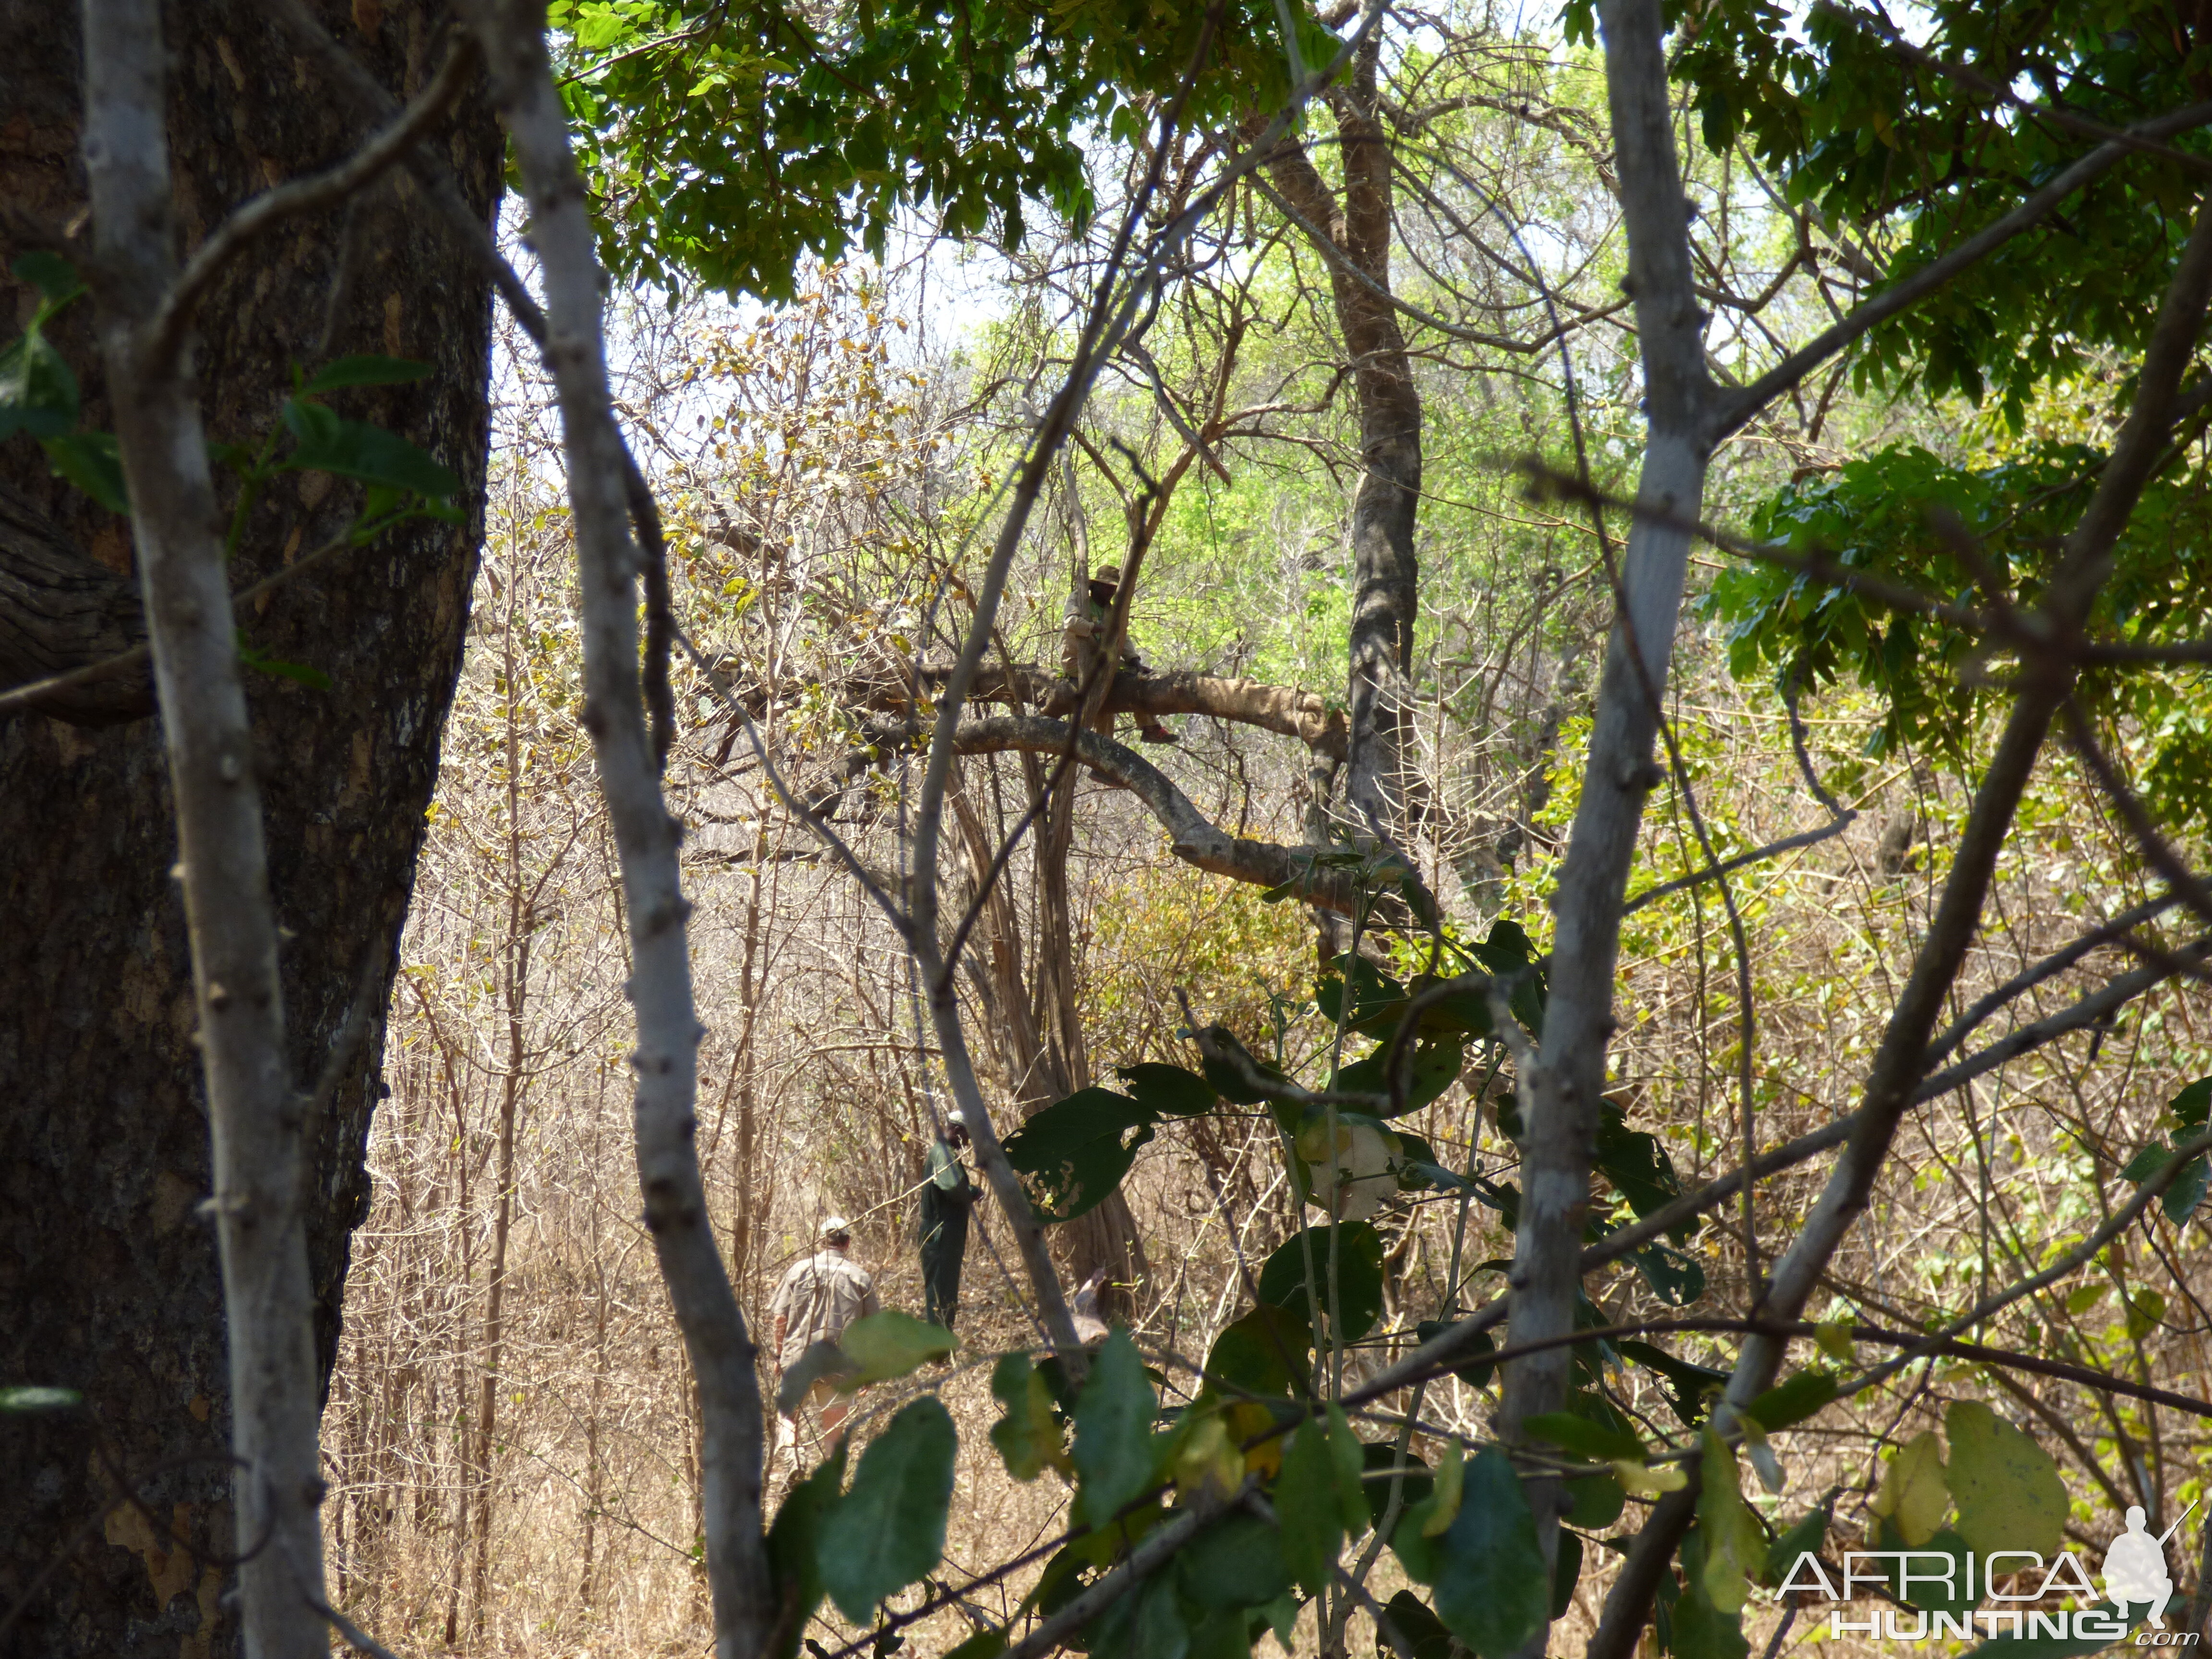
<point x="513" y="1454"/>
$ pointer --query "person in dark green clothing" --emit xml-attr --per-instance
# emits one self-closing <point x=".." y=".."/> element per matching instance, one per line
<point x="946" y="1197"/>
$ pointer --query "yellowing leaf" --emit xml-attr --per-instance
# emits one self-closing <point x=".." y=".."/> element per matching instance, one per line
<point x="1208" y="1458"/>
<point x="1913" y="1494"/>
<point x="1736" y="1546"/>
<point x="1443" y="1501"/>
<point x="2010" y="1497"/>
<point x="1247" y="1418"/>
<point x="1643" y="1481"/>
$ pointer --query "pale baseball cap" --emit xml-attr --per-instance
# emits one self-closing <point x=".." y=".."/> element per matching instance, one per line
<point x="836" y="1227"/>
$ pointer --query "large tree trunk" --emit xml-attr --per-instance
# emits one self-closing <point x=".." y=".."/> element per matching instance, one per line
<point x="108" y="1280"/>
<point x="1355" y="230"/>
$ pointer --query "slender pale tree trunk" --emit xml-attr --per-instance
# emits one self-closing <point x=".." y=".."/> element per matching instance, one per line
<point x="256" y="1115"/>
<point x="1563" y="1090"/>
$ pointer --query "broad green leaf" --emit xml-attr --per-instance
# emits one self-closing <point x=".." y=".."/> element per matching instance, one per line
<point x="1168" y="1089"/>
<point x="2146" y="1163"/>
<point x="1114" y="1431"/>
<point x="1698" y="1629"/>
<point x="1434" y="1066"/>
<point x="1597" y="1501"/>
<point x="2146" y="1306"/>
<point x="25" y="1398"/>
<point x="1028" y="1435"/>
<point x="1305" y="1503"/>
<point x="1414" y="1480"/>
<point x="55" y="278"/>
<point x="1237" y="1075"/>
<point x="1073" y="1153"/>
<point x="1205" y="1455"/>
<point x="1689" y="1387"/>
<point x="1566" y="1568"/>
<point x="1792" y="1401"/>
<point x="1913" y="1494"/>
<point x="355" y="449"/>
<point x="1236" y="1563"/>
<point x="1225" y="1632"/>
<point x="1927" y="1585"/>
<point x="1470" y="1370"/>
<point x="2082" y="1298"/>
<point x="1413" y="1631"/>
<point x="2179" y="1200"/>
<point x="1349" y="1454"/>
<point x="1491" y="1588"/>
<point x="1265" y="1353"/>
<point x="1675" y="1278"/>
<point x="890" y="1344"/>
<point x="2010" y="1496"/>
<point x="93" y="462"/>
<point x="37" y="392"/>
<point x="820" y="1362"/>
<point x="1443" y="1503"/>
<point x="1806" y="1537"/>
<point x="1359" y="1261"/>
<point x="794" y="1544"/>
<point x="1585" y="1439"/>
<point x="1736" y="1545"/>
<point x="367" y="369"/>
<point x="888" y="1529"/>
<point x="1147" y="1625"/>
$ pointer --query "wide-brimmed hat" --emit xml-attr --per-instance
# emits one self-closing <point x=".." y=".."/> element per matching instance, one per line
<point x="1107" y="575"/>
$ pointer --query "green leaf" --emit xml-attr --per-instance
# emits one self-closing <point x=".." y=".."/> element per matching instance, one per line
<point x="93" y="462"/>
<point x="2146" y="1163"/>
<point x="1688" y="1386"/>
<point x="1736" y="1545"/>
<point x="1470" y="1370"/>
<point x="55" y="277"/>
<point x="1168" y="1089"/>
<point x="1236" y="1563"/>
<point x="2009" y="1493"/>
<point x="1791" y="1402"/>
<point x="1114" y="1431"/>
<point x="1491" y="1588"/>
<point x="1566" y="1568"/>
<point x="1305" y="1502"/>
<point x="26" y="1398"/>
<point x="37" y="392"/>
<point x="794" y="1544"/>
<point x="822" y="1361"/>
<point x="1926" y="1589"/>
<point x="1264" y="1353"/>
<point x="1028" y="1436"/>
<point x="1804" y="1539"/>
<point x="1350" y="1455"/>
<point x="366" y="370"/>
<point x="1696" y="1628"/>
<point x="1149" y="1624"/>
<point x="1237" y="1074"/>
<point x="888" y="1529"/>
<point x="1597" y="1501"/>
<point x="2179" y="1200"/>
<point x="355" y="449"/>
<point x="1593" y="1442"/>
<point x="1675" y="1278"/>
<point x="1073" y="1153"/>
<point x="1414" y="1632"/>
<point x="890" y="1344"/>
<point x="1434" y="1067"/>
<point x="1359" y="1266"/>
<point x="983" y="1644"/>
<point x="1913" y="1494"/>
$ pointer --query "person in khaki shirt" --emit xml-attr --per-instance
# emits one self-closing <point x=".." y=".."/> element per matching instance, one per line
<point x="816" y="1300"/>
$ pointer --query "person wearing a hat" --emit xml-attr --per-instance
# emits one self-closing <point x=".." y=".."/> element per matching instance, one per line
<point x="817" y="1300"/>
<point x="947" y="1195"/>
<point x="1084" y="637"/>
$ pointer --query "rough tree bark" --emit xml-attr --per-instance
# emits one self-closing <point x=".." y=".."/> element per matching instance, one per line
<point x="1386" y="597"/>
<point x="109" y="1279"/>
